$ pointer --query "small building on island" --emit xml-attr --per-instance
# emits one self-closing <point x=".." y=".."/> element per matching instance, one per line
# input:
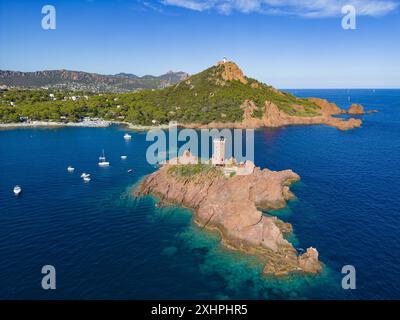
<point x="229" y="167"/>
<point x="218" y="156"/>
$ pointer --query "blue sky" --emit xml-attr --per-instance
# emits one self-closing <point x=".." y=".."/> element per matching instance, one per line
<point x="287" y="43"/>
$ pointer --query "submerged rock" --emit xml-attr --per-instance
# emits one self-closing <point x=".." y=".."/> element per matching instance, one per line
<point x="232" y="207"/>
<point x="169" y="251"/>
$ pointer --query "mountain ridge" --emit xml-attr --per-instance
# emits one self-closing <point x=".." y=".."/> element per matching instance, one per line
<point x="81" y="80"/>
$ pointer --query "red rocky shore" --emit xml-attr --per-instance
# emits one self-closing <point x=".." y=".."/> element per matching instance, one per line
<point x="231" y="206"/>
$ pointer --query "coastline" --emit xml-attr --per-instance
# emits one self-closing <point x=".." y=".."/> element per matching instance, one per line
<point x="33" y="124"/>
<point x="332" y="122"/>
<point x="83" y="124"/>
<point x="273" y="118"/>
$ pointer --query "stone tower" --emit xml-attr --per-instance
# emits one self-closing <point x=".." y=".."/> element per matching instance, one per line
<point x="218" y="157"/>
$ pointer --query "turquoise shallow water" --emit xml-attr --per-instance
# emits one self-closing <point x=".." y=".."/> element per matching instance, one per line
<point x="105" y="243"/>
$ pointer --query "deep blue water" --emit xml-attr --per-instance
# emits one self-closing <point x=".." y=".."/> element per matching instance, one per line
<point x="105" y="243"/>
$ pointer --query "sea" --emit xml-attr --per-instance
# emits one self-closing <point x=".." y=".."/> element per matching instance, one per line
<point x="105" y="243"/>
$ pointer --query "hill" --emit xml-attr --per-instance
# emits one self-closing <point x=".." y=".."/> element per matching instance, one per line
<point x="217" y="94"/>
<point x="222" y="96"/>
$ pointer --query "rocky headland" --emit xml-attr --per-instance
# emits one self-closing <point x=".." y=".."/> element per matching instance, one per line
<point x="273" y="117"/>
<point x="231" y="206"/>
<point x="272" y="114"/>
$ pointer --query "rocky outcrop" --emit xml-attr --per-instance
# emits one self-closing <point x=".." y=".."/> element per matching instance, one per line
<point x="327" y="108"/>
<point x="309" y="261"/>
<point x="232" y="72"/>
<point x="356" y="109"/>
<point x="232" y="207"/>
<point x="274" y="117"/>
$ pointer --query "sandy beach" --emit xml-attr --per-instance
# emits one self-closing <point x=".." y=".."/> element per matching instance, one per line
<point x="86" y="124"/>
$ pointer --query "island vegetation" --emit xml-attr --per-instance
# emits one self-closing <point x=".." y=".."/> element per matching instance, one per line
<point x="193" y="171"/>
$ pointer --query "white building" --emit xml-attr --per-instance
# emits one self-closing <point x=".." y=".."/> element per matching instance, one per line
<point x="218" y="157"/>
<point x="242" y="169"/>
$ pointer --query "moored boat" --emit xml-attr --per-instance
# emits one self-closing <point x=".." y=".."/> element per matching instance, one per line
<point x="103" y="162"/>
<point x="17" y="190"/>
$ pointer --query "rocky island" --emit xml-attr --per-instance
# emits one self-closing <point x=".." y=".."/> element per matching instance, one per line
<point x="231" y="204"/>
<point x="356" y="109"/>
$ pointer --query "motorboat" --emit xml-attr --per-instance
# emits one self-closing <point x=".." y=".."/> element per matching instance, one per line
<point x="70" y="169"/>
<point x="124" y="157"/>
<point x="130" y="170"/>
<point x="85" y="175"/>
<point x="102" y="160"/>
<point x="127" y="136"/>
<point x="17" y="190"/>
<point x="87" y="179"/>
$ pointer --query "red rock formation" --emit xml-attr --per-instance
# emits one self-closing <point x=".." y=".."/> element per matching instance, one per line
<point x="231" y="207"/>
<point x="309" y="261"/>
<point x="273" y="117"/>
<point x="356" y="109"/>
<point x="326" y="106"/>
<point x="232" y="72"/>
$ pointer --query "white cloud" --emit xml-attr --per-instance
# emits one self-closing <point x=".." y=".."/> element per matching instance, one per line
<point x="190" y="4"/>
<point x="304" y="8"/>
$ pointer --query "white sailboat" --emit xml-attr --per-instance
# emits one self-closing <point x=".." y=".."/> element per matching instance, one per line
<point x="103" y="162"/>
<point x="85" y="175"/>
<point x="17" y="190"/>
<point x="86" y="179"/>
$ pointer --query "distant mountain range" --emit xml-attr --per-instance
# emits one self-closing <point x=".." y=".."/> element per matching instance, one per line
<point x="78" y="80"/>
